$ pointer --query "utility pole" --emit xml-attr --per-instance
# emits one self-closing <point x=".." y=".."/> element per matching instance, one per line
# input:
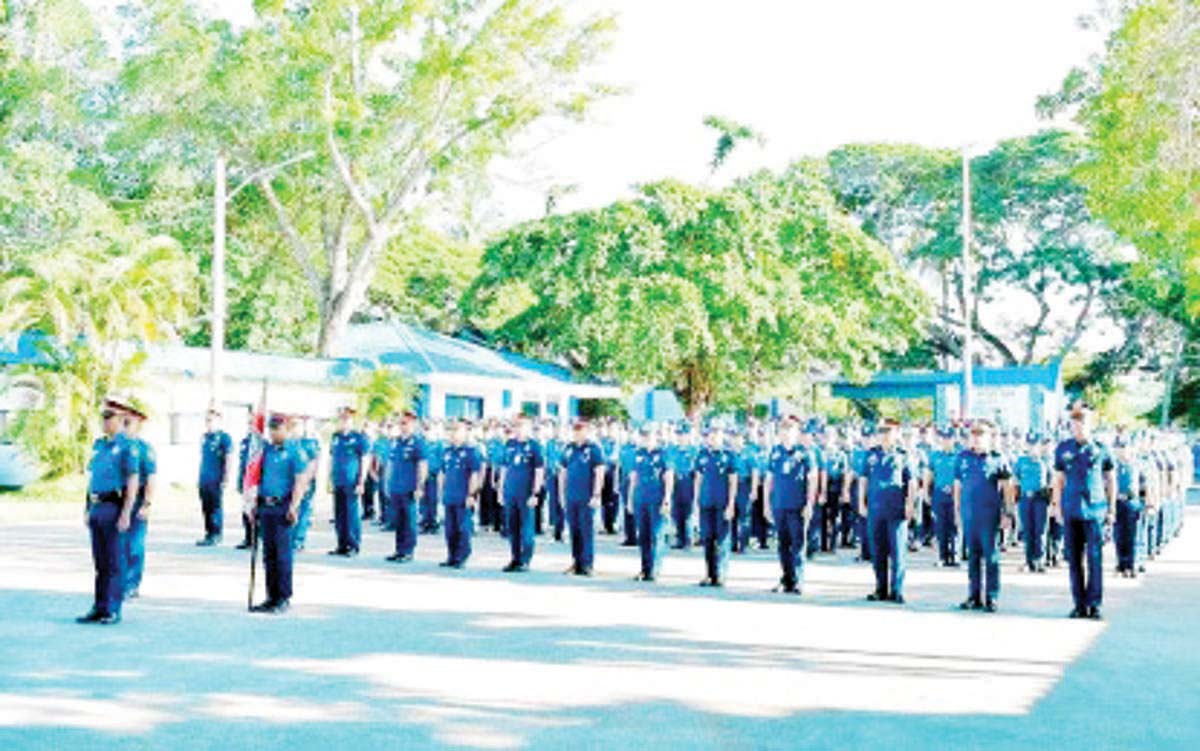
<point x="967" y="355"/>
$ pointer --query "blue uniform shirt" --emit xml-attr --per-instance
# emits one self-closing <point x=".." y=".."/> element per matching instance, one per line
<point x="281" y="465"/>
<point x="434" y="451"/>
<point x="405" y="456"/>
<point x="714" y="467"/>
<point x="789" y="470"/>
<point x="521" y="459"/>
<point x="458" y="464"/>
<point x="1083" y="465"/>
<point x="683" y="462"/>
<point x="113" y="461"/>
<point x="1129" y="474"/>
<point x="858" y="461"/>
<point x="1031" y="474"/>
<point x="944" y="467"/>
<point x="980" y="475"/>
<point x="214" y="453"/>
<point x="580" y="462"/>
<point x="651" y="467"/>
<point x="888" y="474"/>
<point x="243" y="458"/>
<point x="147" y="466"/>
<point x="347" y="452"/>
<point x="835" y="463"/>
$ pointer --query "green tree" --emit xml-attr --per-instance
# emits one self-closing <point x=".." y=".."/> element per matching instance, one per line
<point x="382" y="392"/>
<point x="393" y="105"/>
<point x="423" y="275"/>
<point x="719" y="295"/>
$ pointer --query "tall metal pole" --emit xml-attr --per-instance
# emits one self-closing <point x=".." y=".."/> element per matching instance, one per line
<point x="967" y="354"/>
<point x="217" y="353"/>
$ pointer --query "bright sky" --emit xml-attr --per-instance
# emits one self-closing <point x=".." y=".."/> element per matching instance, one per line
<point x="809" y="75"/>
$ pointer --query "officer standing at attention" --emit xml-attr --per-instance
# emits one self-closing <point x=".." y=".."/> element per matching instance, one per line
<point x="580" y="483"/>
<point x="112" y="492"/>
<point x="684" y="465"/>
<point x="243" y="458"/>
<point x="745" y="464"/>
<point x="1130" y="479"/>
<point x="275" y="506"/>
<point x="435" y="446"/>
<point x="349" y="463"/>
<point x="890" y="489"/>
<point x="522" y="473"/>
<point x="650" y="485"/>
<point x="215" y="447"/>
<point x="370" y="486"/>
<point x="981" y="491"/>
<point x="312" y="448"/>
<point x="835" y="501"/>
<point x="404" y="485"/>
<point x="1085" y="492"/>
<point x="791" y="487"/>
<point x="458" y="490"/>
<point x="625" y="462"/>
<point x="716" y="492"/>
<point x="1032" y="476"/>
<point x="943" y="466"/>
<point x="135" y="538"/>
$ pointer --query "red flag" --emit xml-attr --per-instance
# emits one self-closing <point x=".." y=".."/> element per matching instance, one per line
<point x="254" y="458"/>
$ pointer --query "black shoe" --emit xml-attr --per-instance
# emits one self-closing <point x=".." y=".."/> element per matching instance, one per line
<point x="511" y="567"/>
<point x="678" y="546"/>
<point x="1094" y="613"/>
<point x="629" y="544"/>
<point x="640" y="577"/>
<point x="584" y="572"/>
<point x="898" y="599"/>
<point x="93" y="616"/>
<point x="263" y="607"/>
<point x="207" y="542"/>
<point x="718" y="583"/>
<point x="877" y="597"/>
<point x="990" y="606"/>
<point x="109" y="619"/>
<point x="398" y="558"/>
<point x="1077" y="613"/>
<point x="705" y="582"/>
<point x="243" y="545"/>
<point x="970" y="604"/>
<point x="339" y="551"/>
<point x="280" y="607"/>
<point x="351" y="552"/>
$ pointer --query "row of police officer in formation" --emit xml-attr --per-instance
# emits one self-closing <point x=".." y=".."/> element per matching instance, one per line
<point x="971" y="489"/>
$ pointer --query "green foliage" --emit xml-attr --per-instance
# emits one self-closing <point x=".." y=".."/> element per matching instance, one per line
<point x="729" y="135"/>
<point x="422" y="276"/>
<point x="720" y="295"/>
<point x="382" y="392"/>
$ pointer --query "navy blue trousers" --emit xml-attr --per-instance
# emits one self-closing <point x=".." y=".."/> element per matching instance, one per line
<point x="649" y="535"/>
<point x="983" y="557"/>
<point x="1035" y="512"/>
<point x="714" y="536"/>
<point x="404" y="507"/>
<point x="790" y="538"/>
<point x="277" y="550"/>
<point x="210" y="505"/>
<point x="519" y="520"/>
<point x="459" y="523"/>
<point x="889" y="549"/>
<point x="108" y="557"/>
<point x="1085" y="560"/>
<point x="346" y="519"/>
<point x="581" y="518"/>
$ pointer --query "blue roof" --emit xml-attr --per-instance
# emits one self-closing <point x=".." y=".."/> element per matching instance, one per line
<point x="23" y="349"/>
<point x="916" y="384"/>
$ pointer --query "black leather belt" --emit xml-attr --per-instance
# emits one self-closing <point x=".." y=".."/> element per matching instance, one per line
<point x="109" y="497"/>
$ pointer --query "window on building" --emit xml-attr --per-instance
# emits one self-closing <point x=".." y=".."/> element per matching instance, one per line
<point x="470" y="407"/>
<point x="552" y="409"/>
<point x="506" y="399"/>
<point x="531" y="409"/>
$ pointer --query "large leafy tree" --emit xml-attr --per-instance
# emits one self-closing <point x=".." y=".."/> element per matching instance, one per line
<point x="722" y="296"/>
<point x="378" y="109"/>
<point x="1044" y="268"/>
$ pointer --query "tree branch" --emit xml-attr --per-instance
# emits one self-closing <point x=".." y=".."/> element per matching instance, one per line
<point x="343" y="165"/>
<point x="301" y="253"/>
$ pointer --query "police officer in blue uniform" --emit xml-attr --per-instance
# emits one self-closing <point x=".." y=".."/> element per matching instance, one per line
<point x="715" y="492"/>
<point x="858" y="465"/>
<point x="349" y="462"/>
<point x="275" y="506"/>
<point x="683" y="463"/>
<point x="626" y="458"/>
<point x="307" y="437"/>
<point x="435" y="447"/>
<point x="215" y="447"/>
<point x="112" y="491"/>
<point x="836" y="498"/>
<point x="650" y="485"/>
<point x="981" y="493"/>
<point x="1085" y="495"/>
<point x="458" y="489"/>
<point x="554" y="502"/>
<point x="942" y="468"/>
<point x="1130" y="480"/>
<point x="243" y="459"/>
<point x="1032" y="475"/>
<point x="135" y="538"/>
<point x="791" y="487"/>
<point x="890" y="489"/>
<point x="580" y="484"/>
<point x="404" y="485"/>
<point x="522" y="473"/>
<point x="746" y="466"/>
